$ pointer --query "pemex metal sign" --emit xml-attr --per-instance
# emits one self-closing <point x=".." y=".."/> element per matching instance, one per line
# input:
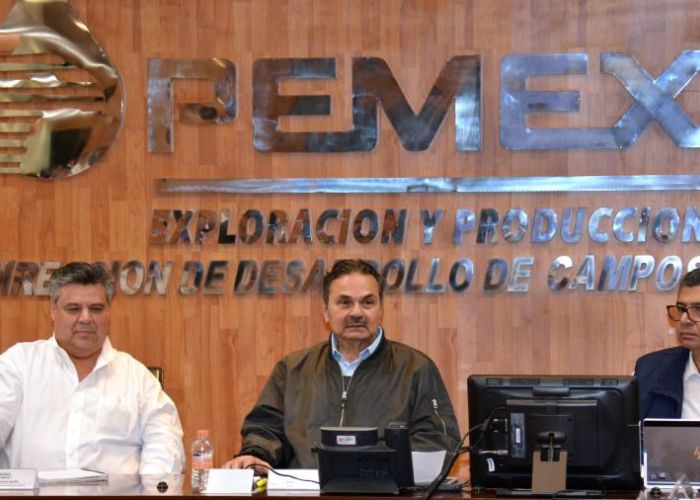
<point x="63" y="104"/>
<point x="61" y="99"/>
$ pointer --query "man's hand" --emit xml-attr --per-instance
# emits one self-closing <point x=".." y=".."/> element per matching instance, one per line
<point x="246" y="462"/>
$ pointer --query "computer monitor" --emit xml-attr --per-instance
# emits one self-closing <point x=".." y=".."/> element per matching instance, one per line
<point x="533" y="428"/>
<point x="353" y="460"/>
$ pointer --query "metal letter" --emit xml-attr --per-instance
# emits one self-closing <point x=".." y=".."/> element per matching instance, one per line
<point x="594" y="224"/>
<point x="429" y="223"/>
<point x="46" y="269"/>
<point x="619" y="224"/>
<point x="691" y="225"/>
<point x="561" y="262"/>
<point x="468" y="267"/>
<point x="643" y="267"/>
<point x="619" y="277"/>
<point x="191" y="278"/>
<point x="270" y="273"/>
<point x="247" y="270"/>
<point x="464" y="222"/>
<point x="277" y="227"/>
<point x="269" y="106"/>
<point x="519" y="215"/>
<point x="216" y="274"/>
<point x="521" y="269"/>
<point x="499" y="267"/>
<point x="433" y="287"/>
<point x="544" y="217"/>
<point x="302" y="227"/>
<point x="244" y="225"/>
<point x="396" y="267"/>
<point x="661" y="232"/>
<point x="655" y="99"/>
<point x="161" y="72"/>
<point x="517" y="102"/>
<point x="131" y="286"/>
<point x="411" y="275"/>
<point x="295" y="276"/>
<point x="567" y="235"/>
<point x="585" y="274"/>
<point x="372" y="222"/>
<point x="159" y="277"/>
<point x="394" y="229"/>
<point x="673" y="262"/>
<point x="460" y="80"/>
<point x="488" y="222"/>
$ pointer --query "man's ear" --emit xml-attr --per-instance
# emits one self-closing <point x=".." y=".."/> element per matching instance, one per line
<point x="53" y="311"/>
<point x="325" y="313"/>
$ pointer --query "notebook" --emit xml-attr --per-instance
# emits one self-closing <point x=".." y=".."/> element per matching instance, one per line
<point x="671" y="448"/>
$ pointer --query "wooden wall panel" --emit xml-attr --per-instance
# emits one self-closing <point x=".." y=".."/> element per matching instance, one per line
<point x="218" y="350"/>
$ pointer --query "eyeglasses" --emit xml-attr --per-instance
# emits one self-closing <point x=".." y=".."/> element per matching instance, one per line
<point x="675" y="312"/>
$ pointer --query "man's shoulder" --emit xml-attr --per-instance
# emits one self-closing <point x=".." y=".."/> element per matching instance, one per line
<point x="660" y="360"/>
<point x="302" y="355"/>
<point x="126" y="360"/>
<point x="28" y="348"/>
<point x="406" y="353"/>
<point x="663" y="354"/>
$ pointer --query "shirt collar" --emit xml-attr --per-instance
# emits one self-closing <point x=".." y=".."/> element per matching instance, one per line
<point x="106" y="355"/>
<point x="691" y="368"/>
<point x="348" y="367"/>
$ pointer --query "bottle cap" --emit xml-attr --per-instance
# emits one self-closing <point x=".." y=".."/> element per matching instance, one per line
<point x="202" y="433"/>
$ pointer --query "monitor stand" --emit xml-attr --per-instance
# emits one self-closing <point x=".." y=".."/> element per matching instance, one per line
<point x="360" y="486"/>
<point x="549" y="460"/>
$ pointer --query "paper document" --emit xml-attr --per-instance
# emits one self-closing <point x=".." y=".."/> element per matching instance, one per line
<point x="293" y="480"/>
<point x="427" y="465"/>
<point x="229" y="482"/>
<point x="71" y="476"/>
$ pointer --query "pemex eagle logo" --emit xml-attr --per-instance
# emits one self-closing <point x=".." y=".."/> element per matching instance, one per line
<point x="61" y="99"/>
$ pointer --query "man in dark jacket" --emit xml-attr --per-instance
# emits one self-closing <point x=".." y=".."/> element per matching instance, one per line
<point x="669" y="382"/>
<point x="356" y="378"/>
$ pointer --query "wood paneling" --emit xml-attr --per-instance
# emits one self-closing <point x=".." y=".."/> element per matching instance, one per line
<point x="218" y="350"/>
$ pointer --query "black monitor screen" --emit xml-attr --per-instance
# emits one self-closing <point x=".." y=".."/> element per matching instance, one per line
<point x="598" y="418"/>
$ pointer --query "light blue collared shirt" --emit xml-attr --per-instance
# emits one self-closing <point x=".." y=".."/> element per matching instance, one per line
<point x="347" y="368"/>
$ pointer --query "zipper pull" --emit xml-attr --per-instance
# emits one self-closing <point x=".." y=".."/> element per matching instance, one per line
<point x="343" y="399"/>
<point x="435" y="405"/>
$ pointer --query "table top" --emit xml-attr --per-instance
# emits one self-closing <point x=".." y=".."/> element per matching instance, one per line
<point x="120" y="485"/>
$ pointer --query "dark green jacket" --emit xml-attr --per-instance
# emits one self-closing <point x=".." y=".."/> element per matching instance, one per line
<point x="396" y="384"/>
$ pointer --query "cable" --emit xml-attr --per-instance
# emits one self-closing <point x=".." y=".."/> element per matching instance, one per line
<point x="282" y="474"/>
<point x="483" y="426"/>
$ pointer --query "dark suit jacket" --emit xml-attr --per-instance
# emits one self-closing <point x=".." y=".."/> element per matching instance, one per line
<point x="660" y="376"/>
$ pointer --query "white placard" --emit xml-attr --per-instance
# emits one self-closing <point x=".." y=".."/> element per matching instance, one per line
<point x="427" y="465"/>
<point x="18" y="479"/>
<point x="226" y="481"/>
<point x="71" y="476"/>
<point x="276" y="482"/>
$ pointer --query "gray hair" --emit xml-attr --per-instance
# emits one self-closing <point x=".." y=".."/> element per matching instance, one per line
<point x="80" y="273"/>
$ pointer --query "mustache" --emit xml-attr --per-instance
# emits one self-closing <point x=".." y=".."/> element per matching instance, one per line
<point x="355" y="323"/>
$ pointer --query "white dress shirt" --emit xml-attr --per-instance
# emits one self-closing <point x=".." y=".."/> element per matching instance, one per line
<point x="691" y="390"/>
<point x="116" y="420"/>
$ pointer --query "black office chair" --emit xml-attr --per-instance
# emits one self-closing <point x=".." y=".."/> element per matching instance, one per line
<point x="157" y="372"/>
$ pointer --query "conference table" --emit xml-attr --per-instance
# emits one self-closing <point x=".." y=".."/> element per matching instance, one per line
<point x="179" y="485"/>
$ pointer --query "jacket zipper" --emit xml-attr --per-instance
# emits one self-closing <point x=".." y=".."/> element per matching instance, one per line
<point x="437" y="414"/>
<point x="343" y="399"/>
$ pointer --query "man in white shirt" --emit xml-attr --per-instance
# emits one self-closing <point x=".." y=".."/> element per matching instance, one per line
<point x="669" y="382"/>
<point x="73" y="401"/>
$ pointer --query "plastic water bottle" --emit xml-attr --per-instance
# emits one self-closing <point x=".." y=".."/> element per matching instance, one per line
<point x="202" y="460"/>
